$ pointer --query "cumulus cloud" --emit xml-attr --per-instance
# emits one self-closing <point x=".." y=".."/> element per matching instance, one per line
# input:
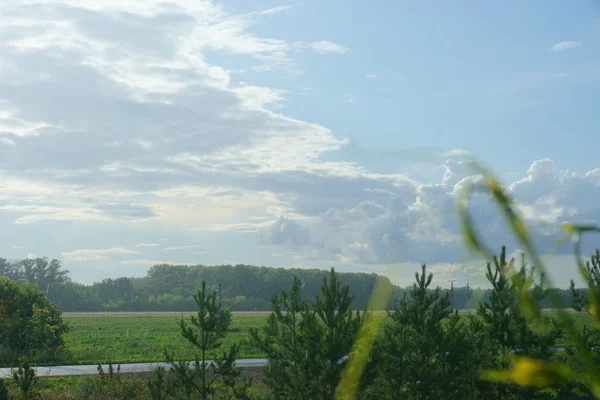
<point x="565" y="45"/>
<point x="423" y="227"/>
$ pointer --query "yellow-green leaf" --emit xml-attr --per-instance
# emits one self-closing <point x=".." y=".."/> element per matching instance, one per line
<point x="528" y="372"/>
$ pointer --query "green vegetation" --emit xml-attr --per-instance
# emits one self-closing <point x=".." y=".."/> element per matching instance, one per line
<point x="29" y="323"/>
<point x="241" y="287"/>
<point x="172" y="287"/>
<point x="123" y="339"/>
<point x="425" y="348"/>
<point x="208" y="328"/>
<point x="131" y="338"/>
<point x="307" y="343"/>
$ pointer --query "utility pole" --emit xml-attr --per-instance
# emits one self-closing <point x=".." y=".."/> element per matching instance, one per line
<point x="452" y="293"/>
<point x="182" y="302"/>
<point x="467" y="297"/>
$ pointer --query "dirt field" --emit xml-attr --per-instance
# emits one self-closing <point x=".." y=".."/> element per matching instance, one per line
<point x="156" y="314"/>
<point x="188" y="313"/>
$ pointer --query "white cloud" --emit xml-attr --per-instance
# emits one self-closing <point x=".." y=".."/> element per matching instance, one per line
<point x="12" y="123"/>
<point x="455" y="153"/>
<point x="147" y="245"/>
<point x="191" y="246"/>
<point x="150" y="263"/>
<point x="327" y="47"/>
<point x="424" y="227"/>
<point x="565" y="45"/>
<point x="8" y="141"/>
<point x="144" y="144"/>
<point x="84" y="255"/>
<point x="371" y="76"/>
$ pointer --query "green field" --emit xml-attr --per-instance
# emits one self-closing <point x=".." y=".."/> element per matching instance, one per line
<point x="130" y="337"/>
<point x="134" y="338"/>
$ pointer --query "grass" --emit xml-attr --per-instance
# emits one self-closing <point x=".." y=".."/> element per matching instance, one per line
<point x="132" y="338"/>
<point x="129" y="339"/>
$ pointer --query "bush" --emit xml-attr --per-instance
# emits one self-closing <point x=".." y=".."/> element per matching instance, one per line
<point x="29" y="322"/>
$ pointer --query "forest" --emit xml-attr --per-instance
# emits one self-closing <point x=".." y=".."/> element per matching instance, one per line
<point x="171" y="287"/>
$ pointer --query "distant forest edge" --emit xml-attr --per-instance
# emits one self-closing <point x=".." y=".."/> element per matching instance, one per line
<point x="171" y="287"/>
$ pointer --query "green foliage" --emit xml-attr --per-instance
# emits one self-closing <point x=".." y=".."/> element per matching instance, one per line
<point x="507" y="324"/>
<point x="157" y="384"/>
<point x="3" y="390"/>
<point x="528" y="372"/>
<point x="209" y="326"/>
<point x="426" y="350"/>
<point x="307" y="345"/>
<point x="26" y="379"/>
<point x="29" y="322"/>
<point x="142" y="338"/>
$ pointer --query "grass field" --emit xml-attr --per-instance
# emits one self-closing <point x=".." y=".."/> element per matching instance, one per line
<point x="142" y="337"/>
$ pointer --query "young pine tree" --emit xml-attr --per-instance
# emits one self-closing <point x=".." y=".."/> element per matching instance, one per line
<point x="581" y="300"/>
<point x="26" y="379"/>
<point x="422" y="312"/>
<point x="3" y="390"/>
<point x="307" y="346"/>
<point x="505" y="322"/>
<point x="207" y="329"/>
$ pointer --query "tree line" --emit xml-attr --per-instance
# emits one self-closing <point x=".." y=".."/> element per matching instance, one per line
<point x="172" y="287"/>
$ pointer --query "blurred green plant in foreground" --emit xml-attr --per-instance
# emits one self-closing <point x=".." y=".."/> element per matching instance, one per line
<point x="524" y="369"/>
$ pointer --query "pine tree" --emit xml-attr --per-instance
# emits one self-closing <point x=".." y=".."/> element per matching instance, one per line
<point x="307" y="346"/>
<point x="282" y="341"/>
<point x="207" y="329"/>
<point x="26" y="379"/>
<point x="505" y="322"/>
<point x="496" y="313"/>
<point x="580" y="300"/>
<point x="415" y="344"/>
<point x="3" y="390"/>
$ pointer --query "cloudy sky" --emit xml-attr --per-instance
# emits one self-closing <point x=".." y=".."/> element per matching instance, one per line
<point x="288" y="133"/>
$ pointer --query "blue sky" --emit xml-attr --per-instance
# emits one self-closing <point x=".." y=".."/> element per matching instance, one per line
<point x="294" y="134"/>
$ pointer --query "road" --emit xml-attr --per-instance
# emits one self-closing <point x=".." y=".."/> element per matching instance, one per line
<point x="82" y="370"/>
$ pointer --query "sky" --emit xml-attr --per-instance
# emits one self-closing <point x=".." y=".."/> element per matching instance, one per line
<point x="292" y="134"/>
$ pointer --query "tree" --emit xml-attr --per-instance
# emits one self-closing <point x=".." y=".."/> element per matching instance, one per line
<point x="29" y="322"/>
<point x="580" y="300"/>
<point x="3" y="390"/>
<point x="157" y="384"/>
<point x="207" y="328"/>
<point x="505" y="322"/>
<point x="26" y="379"/>
<point x="416" y="341"/>
<point x="307" y="346"/>
<point x="283" y="342"/>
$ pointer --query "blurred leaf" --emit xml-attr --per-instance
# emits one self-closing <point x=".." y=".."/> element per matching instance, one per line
<point x="528" y="372"/>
